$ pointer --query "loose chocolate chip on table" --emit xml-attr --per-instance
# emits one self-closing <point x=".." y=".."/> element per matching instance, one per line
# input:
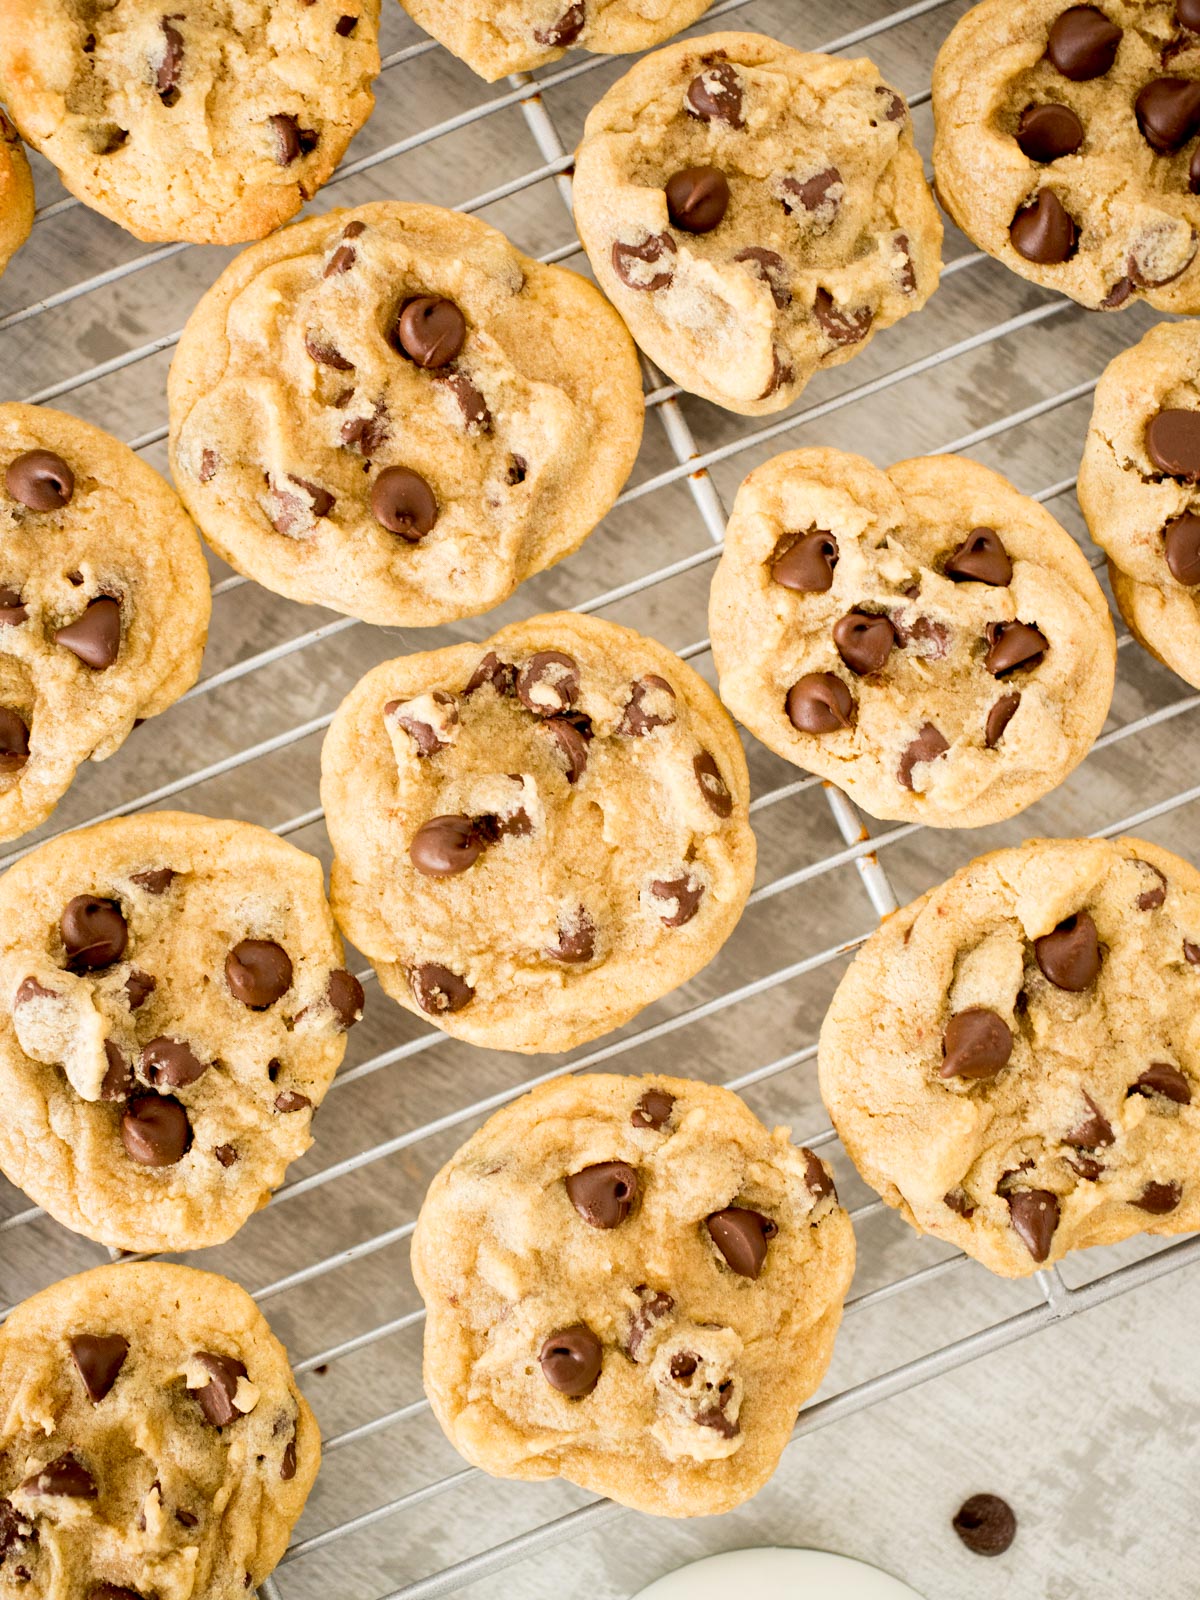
<point x="94" y="932"/>
<point x="155" y="1131"/>
<point x="1162" y="1078"/>
<point x="574" y="938"/>
<point x="215" y="1398"/>
<point x="1158" y="1198"/>
<point x="1034" y="1215"/>
<point x="1070" y="956"/>
<point x="713" y="787"/>
<point x="653" y="1110"/>
<point x="570" y="745"/>
<point x="631" y="260"/>
<point x="681" y="895"/>
<point x="976" y="1045"/>
<point x="864" y="641"/>
<point x="166" y="79"/>
<point x="1173" y="443"/>
<point x="99" y="1358"/>
<point x="814" y="194"/>
<point x="40" y="480"/>
<point x="431" y="331"/>
<point x="445" y="846"/>
<point x="1012" y="645"/>
<point x="63" y="1476"/>
<point x="403" y="503"/>
<point x="986" y="1524"/>
<point x="1093" y="1131"/>
<point x="14" y="740"/>
<point x="139" y="986"/>
<point x="548" y="683"/>
<point x="95" y="637"/>
<point x="1047" y="132"/>
<point x="571" y="1360"/>
<point x="1168" y="113"/>
<point x="981" y="558"/>
<point x="345" y="995"/>
<point x="820" y="703"/>
<point x="289" y="1100"/>
<point x="437" y="990"/>
<point x="1181" y="538"/>
<point x="697" y="198"/>
<point x="772" y="269"/>
<point x="1083" y="43"/>
<point x="656" y="1304"/>
<point x="155" y="880"/>
<point x="118" y="1082"/>
<point x="841" y="325"/>
<point x="649" y="706"/>
<point x="471" y="402"/>
<point x="1043" y="231"/>
<point x="13" y="610"/>
<point x="291" y="140"/>
<point x="715" y="95"/>
<point x="742" y="1237"/>
<point x="562" y="34"/>
<point x="258" y="972"/>
<point x="927" y="746"/>
<point x="603" y="1194"/>
<point x="807" y="564"/>
<point x="999" y="717"/>
<point x="171" y="1063"/>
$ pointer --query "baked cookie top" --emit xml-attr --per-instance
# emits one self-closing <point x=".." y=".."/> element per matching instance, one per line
<point x="210" y="122"/>
<point x="1139" y="486"/>
<point x="16" y="193"/>
<point x="172" y="1007"/>
<point x="1011" y="1061"/>
<point x="536" y="836"/>
<point x="1066" y="144"/>
<point x="926" y="637"/>
<point x="631" y="1284"/>
<point x="104" y="603"/>
<point x="153" y="1439"/>
<point x="754" y="213"/>
<point x="394" y="413"/>
<point x="495" y="37"/>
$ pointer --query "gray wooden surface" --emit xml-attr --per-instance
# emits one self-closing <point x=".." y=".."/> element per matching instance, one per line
<point x="1090" y="1427"/>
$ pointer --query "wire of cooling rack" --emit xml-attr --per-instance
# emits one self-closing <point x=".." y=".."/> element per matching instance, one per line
<point x="691" y="468"/>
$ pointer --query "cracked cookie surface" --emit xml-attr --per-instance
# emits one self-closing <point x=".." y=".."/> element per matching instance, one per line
<point x="172" y="1009"/>
<point x="1138" y="486"/>
<point x="154" y="1441"/>
<point x="926" y="637"/>
<point x="538" y="835"/>
<point x="1066" y="145"/>
<point x="633" y="1285"/>
<point x="495" y="37"/>
<point x="16" y="193"/>
<point x="212" y="123"/>
<point x="104" y="603"/>
<point x="1012" y="1061"/>
<point x="755" y="214"/>
<point x="392" y="412"/>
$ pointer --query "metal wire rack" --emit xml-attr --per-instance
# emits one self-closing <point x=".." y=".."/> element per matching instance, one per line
<point x="993" y="367"/>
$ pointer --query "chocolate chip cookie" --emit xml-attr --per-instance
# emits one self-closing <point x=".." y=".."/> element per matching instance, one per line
<point x="1138" y="486"/>
<point x="172" y="1008"/>
<point x="536" y="836"/>
<point x="633" y="1285"/>
<point x="519" y="35"/>
<point x="210" y="122"/>
<point x="104" y="603"/>
<point x="394" y="413"/>
<point x="926" y="637"/>
<point x="755" y="214"/>
<point x="16" y="193"/>
<point x="154" y="1440"/>
<point x="1067" y="145"/>
<point x="1011" y="1061"/>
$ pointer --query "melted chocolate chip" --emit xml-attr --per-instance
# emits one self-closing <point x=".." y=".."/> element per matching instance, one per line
<point x="13" y="610"/>
<point x="446" y="846"/>
<point x="139" y="986"/>
<point x="403" y="503"/>
<point x="716" y="792"/>
<point x="1173" y="443"/>
<point x="166" y="80"/>
<point x="649" y="706"/>
<point x="999" y="717"/>
<point x="431" y="331"/>
<point x="63" y="1476"/>
<point x="1162" y="1078"/>
<point x="1070" y="956"/>
<point x="575" y="938"/>
<point x="571" y="1360"/>
<point x="367" y="435"/>
<point x="742" y="1237"/>
<point x="562" y="34"/>
<point x="820" y="703"/>
<point x="1043" y="231"/>
<point x="343" y="27"/>
<point x="656" y="1305"/>
<point x="570" y="746"/>
<point x="501" y="675"/>
<point x="287" y="1465"/>
<point x="345" y="996"/>
<point x="981" y="558"/>
<point x="291" y="140"/>
<point x="715" y="95"/>
<point x="1093" y="1130"/>
<point x="603" y="1194"/>
<point x="14" y="740"/>
<point x="94" y="933"/>
<point x="155" y="880"/>
<point x="1034" y="1216"/>
<point x="1047" y="132"/>
<point x="772" y="269"/>
<point x="437" y="990"/>
<point x="698" y="198"/>
<point x="168" y="1063"/>
<point x="653" y="1110"/>
<point x="258" y="972"/>
<point x="986" y="1524"/>
<point x="477" y="418"/>
<point x="959" y="1202"/>
<point x="841" y="326"/>
<point x="1159" y="1198"/>
<point x="820" y="1184"/>
<point x="290" y="1101"/>
<point x="99" y="1357"/>
<point x="1083" y="43"/>
<point x="155" y="1131"/>
<point x="118" y="1082"/>
<point x="806" y="565"/>
<point x="681" y="898"/>
<point x="1168" y="113"/>
<point x="326" y="354"/>
<point x="95" y="637"/>
<point x="215" y="1399"/>
<point x="226" y="1154"/>
<point x="548" y="683"/>
<point x="864" y="641"/>
<point x="1012" y="645"/>
<point x="425" y="736"/>
<point x="40" y="480"/>
<point x="1181" y="545"/>
<point x="1150" y="899"/>
<point x="929" y="744"/>
<point x="646" y="266"/>
<point x="814" y="195"/>
<point x="976" y="1045"/>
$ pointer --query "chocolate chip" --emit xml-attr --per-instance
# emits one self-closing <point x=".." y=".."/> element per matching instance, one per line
<point x="820" y="1184"/>
<point x="985" y="1523"/>
<point x="99" y="1358"/>
<point x="981" y="558"/>
<point x="1173" y="443"/>
<point x="841" y="326"/>
<point x="14" y="740"/>
<point x="1191" y="953"/>
<point x="976" y="1045"/>
<point x="864" y="641"/>
<point x="1034" y="1216"/>
<point x="40" y="480"/>
<point x="603" y="1194"/>
<point x="1044" y="231"/>
<point x="226" y="1154"/>
<point x="820" y="703"/>
<point x="326" y="354"/>
<point x="1070" y="956"/>
<point x="1093" y="1130"/>
<point x="343" y="27"/>
<point x="502" y="675"/>
<point x="1168" y="113"/>
<point x="1117" y="295"/>
<point x="367" y="435"/>
<point x="215" y="1399"/>
<point x="345" y="996"/>
<point x="113" y="1591"/>
<point x="896" y="110"/>
<point x="1083" y="43"/>
<point x="813" y="195"/>
<point x="258" y="972"/>
<point x="1012" y="645"/>
<point x="649" y="706"/>
<point x="742" y="1237"/>
<point x="403" y="503"/>
<point x="155" y="1131"/>
<point x="574" y="939"/>
<point x="64" y="1476"/>
<point x="631" y="261"/>
<point x="927" y="746"/>
<point x="571" y="1360"/>
<point x="118" y="1082"/>
<point x="772" y="269"/>
<point x="476" y="416"/>
<point x="570" y="745"/>
<point x="342" y="259"/>
<point x="437" y="990"/>
<point x="653" y="1110"/>
<point x="681" y="898"/>
<point x="715" y="95"/>
<point x="139" y="986"/>
<point x="960" y="1203"/>
<point x="95" y="637"/>
<point x="430" y="331"/>
<point x="210" y="461"/>
<point x="14" y="1528"/>
<point x="171" y="1063"/>
<point x="1158" y="1198"/>
<point x="698" y="198"/>
<point x="166" y="80"/>
<point x="518" y="469"/>
<point x="1150" y="899"/>
<point x="291" y="140"/>
<point x="1047" y="132"/>
<point x="1162" y="1078"/>
<point x="999" y="717"/>
<point x="287" y="1466"/>
<point x="684" y="1366"/>
<point x="94" y="932"/>
<point x="290" y="1101"/>
<point x="1182" y="546"/>
<point x="1187" y="15"/>
<point x="446" y="846"/>
<point x="13" y="610"/>
<point x="656" y="1304"/>
<point x="562" y="34"/>
<point x="155" y="880"/>
<point x="717" y="796"/>
<point x="548" y="683"/>
<point x="806" y="565"/>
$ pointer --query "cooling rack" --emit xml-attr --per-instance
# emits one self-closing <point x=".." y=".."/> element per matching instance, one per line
<point x="88" y="320"/>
